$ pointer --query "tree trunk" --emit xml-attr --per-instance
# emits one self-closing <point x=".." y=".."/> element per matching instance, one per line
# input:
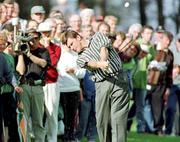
<point x="160" y="12"/>
<point x="142" y="7"/>
<point x="177" y="18"/>
<point x="102" y="4"/>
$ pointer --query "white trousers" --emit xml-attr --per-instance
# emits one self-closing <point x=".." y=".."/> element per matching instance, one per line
<point x="52" y="96"/>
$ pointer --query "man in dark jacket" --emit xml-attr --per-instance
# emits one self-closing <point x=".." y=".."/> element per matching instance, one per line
<point x="6" y="75"/>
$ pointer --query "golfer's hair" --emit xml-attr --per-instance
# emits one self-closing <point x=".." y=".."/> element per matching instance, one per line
<point x="68" y="34"/>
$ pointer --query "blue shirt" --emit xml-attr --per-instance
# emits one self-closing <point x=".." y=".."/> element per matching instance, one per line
<point x="88" y="86"/>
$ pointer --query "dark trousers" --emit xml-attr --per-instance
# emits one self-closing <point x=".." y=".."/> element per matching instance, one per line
<point x="131" y="115"/>
<point x="173" y="98"/>
<point x="70" y="103"/>
<point x="8" y="117"/>
<point x="87" y="120"/>
<point x="155" y="96"/>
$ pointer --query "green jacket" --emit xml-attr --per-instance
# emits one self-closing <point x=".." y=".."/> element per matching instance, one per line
<point x="10" y="61"/>
<point x="140" y="70"/>
<point x="129" y="65"/>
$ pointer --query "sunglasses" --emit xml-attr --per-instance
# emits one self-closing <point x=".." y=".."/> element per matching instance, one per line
<point x="38" y="14"/>
<point x="35" y="39"/>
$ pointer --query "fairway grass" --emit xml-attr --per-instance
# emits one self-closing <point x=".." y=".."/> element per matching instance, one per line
<point x="134" y="137"/>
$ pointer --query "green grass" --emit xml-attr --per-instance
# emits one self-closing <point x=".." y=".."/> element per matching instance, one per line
<point x="134" y="137"/>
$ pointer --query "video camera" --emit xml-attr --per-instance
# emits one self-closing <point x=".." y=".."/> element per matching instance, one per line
<point x="22" y="44"/>
<point x="21" y="36"/>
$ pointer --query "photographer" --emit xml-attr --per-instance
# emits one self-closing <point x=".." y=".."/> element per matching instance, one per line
<point x="32" y="67"/>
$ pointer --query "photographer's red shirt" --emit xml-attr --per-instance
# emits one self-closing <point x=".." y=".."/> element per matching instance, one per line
<point x="55" y="53"/>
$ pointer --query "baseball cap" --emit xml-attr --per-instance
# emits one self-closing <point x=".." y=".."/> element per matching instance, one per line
<point x="37" y="9"/>
<point x="44" y="27"/>
<point x="160" y="29"/>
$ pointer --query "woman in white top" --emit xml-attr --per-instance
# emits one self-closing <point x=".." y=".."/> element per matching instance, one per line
<point x="69" y="75"/>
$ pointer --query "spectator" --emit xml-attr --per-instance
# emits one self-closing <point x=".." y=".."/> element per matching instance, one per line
<point x="112" y="22"/>
<point x="140" y="76"/>
<point x="158" y="35"/>
<point x="9" y="4"/>
<point x="87" y="120"/>
<point x="7" y="101"/>
<point x="51" y="89"/>
<point x="160" y="80"/>
<point x="75" y="23"/>
<point x="134" y="32"/>
<point x="7" y="12"/>
<point x="32" y="24"/>
<point x="119" y="38"/>
<point x="69" y="75"/>
<point x="38" y="13"/>
<point x="104" y="28"/>
<point x="87" y="16"/>
<point x="175" y="89"/>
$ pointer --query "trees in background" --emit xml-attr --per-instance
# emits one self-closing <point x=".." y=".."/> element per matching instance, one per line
<point x="176" y="16"/>
<point x="160" y="12"/>
<point x="26" y="5"/>
<point x="142" y="12"/>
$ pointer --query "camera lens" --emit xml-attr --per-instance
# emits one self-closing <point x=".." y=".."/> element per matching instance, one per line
<point x="24" y="47"/>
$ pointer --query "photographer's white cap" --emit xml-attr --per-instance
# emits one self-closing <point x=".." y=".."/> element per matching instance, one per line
<point x="44" y="27"/>
<point x="37" y="9"/>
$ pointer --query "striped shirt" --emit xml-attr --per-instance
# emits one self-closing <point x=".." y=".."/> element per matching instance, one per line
<point x="93" y="54"/>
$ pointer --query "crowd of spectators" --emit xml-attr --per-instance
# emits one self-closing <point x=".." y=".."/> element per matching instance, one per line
<point x="58" y="98"/>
